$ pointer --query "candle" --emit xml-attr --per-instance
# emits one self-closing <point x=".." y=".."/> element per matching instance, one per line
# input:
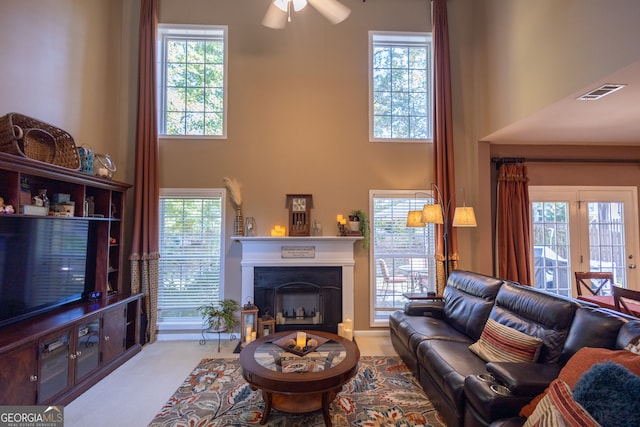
<point x="253" y="336"/>
<point x="348" y="324"/>
<point x="341" y="329"/>
<point x="340" y="218"/>
<point x="265" y="332"/>
<point x="279" y="231"/>
<point x="248" y="332"/>
<point x="343" y="221"/>
<point x="348" y="334"/>
<point x="301" y="339"/>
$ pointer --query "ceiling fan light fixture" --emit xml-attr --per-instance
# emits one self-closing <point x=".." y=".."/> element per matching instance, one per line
<point x="298" y="5"/>
<point x="279" y="12"/>
<point x="283" y="5"/>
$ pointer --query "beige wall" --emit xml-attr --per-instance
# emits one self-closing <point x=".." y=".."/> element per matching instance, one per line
<point x="298" y="120"/>
<point x="60" y="64"/>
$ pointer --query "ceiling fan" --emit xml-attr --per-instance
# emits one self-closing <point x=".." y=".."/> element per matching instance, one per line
<point x="279" y="12"/>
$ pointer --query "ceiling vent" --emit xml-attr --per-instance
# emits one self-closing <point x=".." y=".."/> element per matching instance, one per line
<point x="601" y="92"/>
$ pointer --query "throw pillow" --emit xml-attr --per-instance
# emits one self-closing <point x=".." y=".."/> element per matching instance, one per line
<point x="500" y="343"/>
<point x="633" y="347"/>
<point x="581" y="362"/>
<point x="609" y="392"/>
<point x="558" y="408"/>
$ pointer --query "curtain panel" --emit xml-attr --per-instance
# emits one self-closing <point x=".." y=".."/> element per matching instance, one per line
<point x="443" y="140"/>
<point x="144" y="252"/>
<point x="513" y="224"/>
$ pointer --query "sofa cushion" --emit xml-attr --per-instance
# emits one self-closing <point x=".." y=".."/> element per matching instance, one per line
<point x="500" y="343"/>
<point x="448" y="363"/>
<point x="537" y="314"/>
<point x="558" y="408"/>
<point x="468" y="299"/>
<point x="581" y="334"/>
<point x="581" y="362"/>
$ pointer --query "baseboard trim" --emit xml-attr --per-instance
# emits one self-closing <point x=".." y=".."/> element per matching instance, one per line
<point x="372" y="333"/>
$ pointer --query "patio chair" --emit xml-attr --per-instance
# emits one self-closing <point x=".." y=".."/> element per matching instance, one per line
<point x="593" y="281"/>
<point x="389" y="282"/>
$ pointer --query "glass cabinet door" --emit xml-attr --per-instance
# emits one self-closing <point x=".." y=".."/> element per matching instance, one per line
<point x="87" y="355"/>
<point x="54" y="365"/>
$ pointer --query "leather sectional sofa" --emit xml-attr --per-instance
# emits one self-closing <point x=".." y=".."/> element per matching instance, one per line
<point x="433" y="339"/>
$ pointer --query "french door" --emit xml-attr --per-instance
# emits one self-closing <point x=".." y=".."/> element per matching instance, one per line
<point x="583" y="229"/>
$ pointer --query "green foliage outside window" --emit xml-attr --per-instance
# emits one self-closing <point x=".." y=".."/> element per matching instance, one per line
<point x="193" y="90"/>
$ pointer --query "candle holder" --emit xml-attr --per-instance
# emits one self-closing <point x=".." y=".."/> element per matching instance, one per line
<point x="342" y="229"/>
<point x="249" y="318"/>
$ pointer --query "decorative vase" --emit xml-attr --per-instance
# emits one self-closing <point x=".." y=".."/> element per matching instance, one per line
<point x="239" y="222"/>
<point x="250" y="227"/>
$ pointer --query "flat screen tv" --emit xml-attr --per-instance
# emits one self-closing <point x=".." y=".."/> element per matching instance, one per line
<point x="43" y="264"/>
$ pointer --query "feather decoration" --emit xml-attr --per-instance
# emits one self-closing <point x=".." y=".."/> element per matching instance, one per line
<point x="233" y="186"/>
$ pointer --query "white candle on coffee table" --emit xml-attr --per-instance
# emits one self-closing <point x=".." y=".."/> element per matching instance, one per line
<point x="301" y="339"/>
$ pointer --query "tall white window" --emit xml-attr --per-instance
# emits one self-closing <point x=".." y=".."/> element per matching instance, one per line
<point x="192" y="80"/>
<point x="191" y="254"/>
<point x="403" y="257"/>
<point x="400" y="86"/>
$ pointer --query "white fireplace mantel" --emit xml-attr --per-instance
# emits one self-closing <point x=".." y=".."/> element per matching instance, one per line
<point x="314" y="251"/>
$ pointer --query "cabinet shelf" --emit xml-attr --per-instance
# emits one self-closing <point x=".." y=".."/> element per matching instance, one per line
<point x="77" y="364"/>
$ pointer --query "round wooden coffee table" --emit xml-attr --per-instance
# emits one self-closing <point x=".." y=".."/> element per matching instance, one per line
<point x="299" y="383"/>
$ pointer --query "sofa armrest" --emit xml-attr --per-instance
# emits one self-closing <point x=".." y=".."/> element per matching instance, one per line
<point x="484" y="404"/>
<point x="425" y="308"/>
<point x="528" y="379"/>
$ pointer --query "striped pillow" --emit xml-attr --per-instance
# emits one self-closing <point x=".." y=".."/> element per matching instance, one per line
<point x="558" y="408"/>
<point x="500" y="343"/>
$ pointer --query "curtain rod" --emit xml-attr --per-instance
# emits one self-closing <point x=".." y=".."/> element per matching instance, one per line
<point x="501" y="160"/>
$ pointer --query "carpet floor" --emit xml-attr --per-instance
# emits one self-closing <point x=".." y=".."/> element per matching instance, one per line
<point x="382" y="393"/>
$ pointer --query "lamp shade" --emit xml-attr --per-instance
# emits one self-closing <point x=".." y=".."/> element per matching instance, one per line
<point x="432" y="214"/>
<point x="414" y="219"/>
<point x="464" y="217"/>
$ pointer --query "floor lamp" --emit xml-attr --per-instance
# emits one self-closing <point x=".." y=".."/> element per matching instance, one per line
<point x="436" y="213"/>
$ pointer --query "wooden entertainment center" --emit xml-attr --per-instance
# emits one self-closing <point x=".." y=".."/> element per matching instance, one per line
<point x="54" y="356"/>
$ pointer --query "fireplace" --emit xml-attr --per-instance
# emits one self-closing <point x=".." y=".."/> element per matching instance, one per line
<point x="309" y="270"/>
<point x="300" y="297"/>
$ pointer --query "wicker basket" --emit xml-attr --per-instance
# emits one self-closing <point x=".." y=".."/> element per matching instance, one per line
<point x="19" y="133"/>
<point x="38" y="144"/>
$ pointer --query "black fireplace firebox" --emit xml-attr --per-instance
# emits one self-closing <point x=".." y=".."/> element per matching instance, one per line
<point x="300" y="297"/>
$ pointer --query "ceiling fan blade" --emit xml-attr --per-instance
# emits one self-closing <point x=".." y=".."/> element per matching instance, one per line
<point x="274" y="18"/>
<point x="334" y="11"/>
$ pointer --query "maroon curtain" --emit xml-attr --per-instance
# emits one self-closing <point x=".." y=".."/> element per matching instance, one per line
<point x="513" y="224"/>
<point x="144" y="251"/>
<point x="443" y="140"/>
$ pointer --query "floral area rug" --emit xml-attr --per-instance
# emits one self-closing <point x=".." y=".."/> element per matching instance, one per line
<point x="382" y="393"/>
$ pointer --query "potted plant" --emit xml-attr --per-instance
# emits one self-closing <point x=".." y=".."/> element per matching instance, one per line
<point x="219" y="315"/>
<point x="361" y="217"/>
